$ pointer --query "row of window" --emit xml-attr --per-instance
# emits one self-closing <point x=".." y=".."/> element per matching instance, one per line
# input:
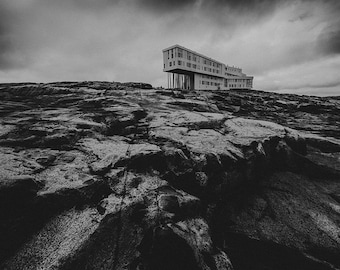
<point x="211" y="70"/>
<point x="239" y="80"/>
<point x="237" y="85"/>
<point x="210" y="83"/>
<point x="209" y="77"/>
<point x="233" y="69"/>
<point x="191" y="56"/>
<point x="189" y="65"/>
<point x="195" y="66"/>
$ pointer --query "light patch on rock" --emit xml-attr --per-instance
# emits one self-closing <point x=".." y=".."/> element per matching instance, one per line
<point x="182" y="117"/>
<point x="326" y="225"/>
<point x="59" y="238"/>
<point x="4" y="129"/>
<point x="64" y="174"/>
<point x="335" y="207"/>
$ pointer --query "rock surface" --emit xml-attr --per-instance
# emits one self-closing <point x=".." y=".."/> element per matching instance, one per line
<point x="99" y="175"/>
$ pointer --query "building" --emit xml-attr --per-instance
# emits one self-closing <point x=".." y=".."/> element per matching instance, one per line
<point x="190" y="70"/>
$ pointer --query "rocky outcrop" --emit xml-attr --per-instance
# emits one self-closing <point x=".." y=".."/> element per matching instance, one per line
<point x="97" y="177"/>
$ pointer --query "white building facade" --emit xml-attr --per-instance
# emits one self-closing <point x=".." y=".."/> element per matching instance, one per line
<point x="190" y="70"/>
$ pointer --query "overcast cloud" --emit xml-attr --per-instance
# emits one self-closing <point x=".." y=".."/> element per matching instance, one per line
<point x="288" y="46"/>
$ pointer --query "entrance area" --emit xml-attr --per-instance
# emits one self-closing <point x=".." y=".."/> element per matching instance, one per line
<point x="180" y="81"/>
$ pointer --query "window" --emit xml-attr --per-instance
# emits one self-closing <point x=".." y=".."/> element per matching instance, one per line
<point x="180" y="53"/>
<point x="170" y="64"/>
<point x="188" y="65"/>
<point x="194" y="66"/>
<point x="179" y="62"/>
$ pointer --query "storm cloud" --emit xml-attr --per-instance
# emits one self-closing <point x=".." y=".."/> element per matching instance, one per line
<point x="287" y="45"/>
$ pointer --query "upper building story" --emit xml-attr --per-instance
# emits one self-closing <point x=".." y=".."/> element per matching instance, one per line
<point x="178" y="57"/>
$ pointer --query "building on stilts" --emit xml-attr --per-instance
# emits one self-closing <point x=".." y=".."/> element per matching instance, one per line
<point x="190" y="70"/>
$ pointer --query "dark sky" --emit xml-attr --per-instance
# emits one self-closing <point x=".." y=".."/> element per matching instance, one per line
<point x="289" y="46"/>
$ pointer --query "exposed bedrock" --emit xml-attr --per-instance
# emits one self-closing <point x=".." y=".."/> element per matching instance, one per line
<point x="93" y="176"/>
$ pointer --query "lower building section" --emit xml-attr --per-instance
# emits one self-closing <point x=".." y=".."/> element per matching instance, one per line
<point x="207" y="82"/>
<point x="197" y="81"/>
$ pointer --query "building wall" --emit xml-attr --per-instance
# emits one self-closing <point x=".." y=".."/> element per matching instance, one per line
<point x="207" y="73"/>
<point x="181" y="58"/>
<point x="237" y="82"/>
<point x="207" y="82"/>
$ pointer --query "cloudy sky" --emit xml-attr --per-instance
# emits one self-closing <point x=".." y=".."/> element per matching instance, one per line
<point x="289" y="46"/>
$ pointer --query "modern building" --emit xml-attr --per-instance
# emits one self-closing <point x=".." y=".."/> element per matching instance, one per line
<point x="190" y="70"/>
